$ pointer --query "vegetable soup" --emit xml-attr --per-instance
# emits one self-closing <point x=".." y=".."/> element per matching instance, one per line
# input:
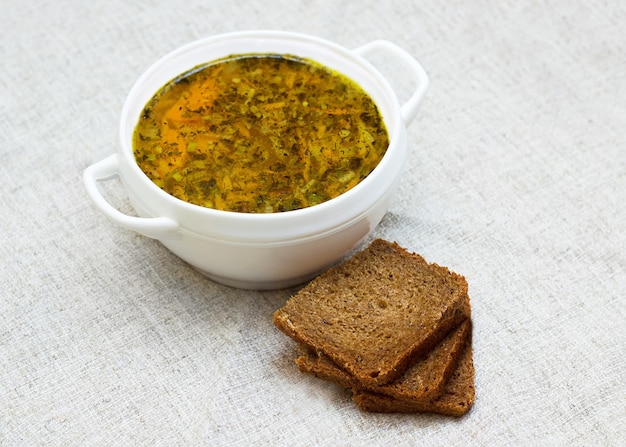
<point x="259" y="133"/>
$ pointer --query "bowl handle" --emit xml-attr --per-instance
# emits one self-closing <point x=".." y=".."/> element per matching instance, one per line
<point x="153" y="227"/>
<point x="410" y="108"/>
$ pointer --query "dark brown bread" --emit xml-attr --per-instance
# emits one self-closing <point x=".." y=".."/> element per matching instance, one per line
<point x="423" y="381"/>
<point x="376" y="313"/>
<point x="457" y="399"/>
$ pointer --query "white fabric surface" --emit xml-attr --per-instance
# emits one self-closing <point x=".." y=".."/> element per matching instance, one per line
<point x="516" y="179"/>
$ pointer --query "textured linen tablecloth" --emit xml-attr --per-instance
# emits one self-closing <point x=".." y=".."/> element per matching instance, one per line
<point x="516" y="179"/>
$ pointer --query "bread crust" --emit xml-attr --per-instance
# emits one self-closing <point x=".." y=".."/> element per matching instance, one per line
<point x="425" y="380"/>
<point x="457" y="399"/>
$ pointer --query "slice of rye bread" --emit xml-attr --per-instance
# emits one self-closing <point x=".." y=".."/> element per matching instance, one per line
<point x="425" y="380"/>
<point x="375" y="313"/>
<point x="456" y="400"/>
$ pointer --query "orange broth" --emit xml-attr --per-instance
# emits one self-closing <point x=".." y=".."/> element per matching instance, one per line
<point x="259" y="134"/>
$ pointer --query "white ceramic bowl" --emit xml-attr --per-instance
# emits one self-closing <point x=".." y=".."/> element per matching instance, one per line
<point x="262" y="251"/>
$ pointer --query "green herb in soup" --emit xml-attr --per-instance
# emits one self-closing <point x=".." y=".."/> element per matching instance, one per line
<point x="259" y="134"/>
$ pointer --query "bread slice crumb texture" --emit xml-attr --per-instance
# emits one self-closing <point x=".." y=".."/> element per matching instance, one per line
<point x="375" y="313"/>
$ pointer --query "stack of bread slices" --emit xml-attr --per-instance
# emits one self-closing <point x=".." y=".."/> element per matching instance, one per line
<point x="391" y="327"/>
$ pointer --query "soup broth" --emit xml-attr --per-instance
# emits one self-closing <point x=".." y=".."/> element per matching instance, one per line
<point x="259" y="134"/>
